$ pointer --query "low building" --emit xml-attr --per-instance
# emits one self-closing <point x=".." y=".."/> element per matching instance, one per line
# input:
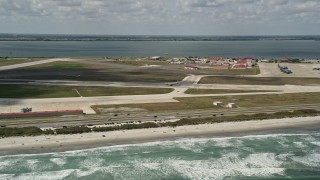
<point x="313" y="61"/>
<point x="155" y="58"/>
<point x="316" y="67"/>
<point x="177" y="62"/>
<point x="232" y="105"/>
<point x="218" y="103"/>
<point x="191" y="68"/>
<point x="249" y="61"/>
<point x="264" y="60"/>
<point x="284" y="59"/>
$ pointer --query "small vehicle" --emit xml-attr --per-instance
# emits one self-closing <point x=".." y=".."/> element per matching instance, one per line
<point x="26" y="110"/>
<point x="288" y="71"/>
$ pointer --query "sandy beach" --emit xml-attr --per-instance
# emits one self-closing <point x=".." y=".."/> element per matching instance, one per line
<point x="54" y="143"/>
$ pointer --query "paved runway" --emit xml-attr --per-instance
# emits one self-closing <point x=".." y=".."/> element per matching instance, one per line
<point x="15" y="66"/>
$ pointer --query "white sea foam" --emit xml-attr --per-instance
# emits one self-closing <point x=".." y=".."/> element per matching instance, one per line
<point x="315" y="143"/>
<point x="152" y="166"/>
<point x="284" y="157"/>
<point x="262" y="165"/>
<point x="87" y="172"/>
<point x="228" y="142"/>
<point x="6" y="176"/>
<point x="49" y="175"/>
<point x="58" y="161"/>
<point x="190" y="145"/>
<point x="32" y="164"/>
<point x="6" y="163"/>
<point x="312" y="160"/>
<point x="300" y="144"/>
<point x="188" y="142"/>
<point x="92" y="162"/>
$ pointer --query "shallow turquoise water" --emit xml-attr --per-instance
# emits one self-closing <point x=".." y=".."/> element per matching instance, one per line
<point x="281" y="156"/>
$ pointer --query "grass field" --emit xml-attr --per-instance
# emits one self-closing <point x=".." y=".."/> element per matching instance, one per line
<point x="121" y="76"/>
<point x="43" y="91"/>
<point x="255" y="100"/>
<point x="260" y="80"/>
<point x="242" y="101"/>
<point x="91" y="72"/>
<point x="220" y="91"/>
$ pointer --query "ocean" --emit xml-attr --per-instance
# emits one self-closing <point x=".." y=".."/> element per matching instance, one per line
<point x="273" y="156"/>
<point x="304" y="49"/>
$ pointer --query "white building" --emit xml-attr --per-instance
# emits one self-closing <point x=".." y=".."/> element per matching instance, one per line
<point x="155" y="58"/>
<point x="231" y="105"/>
<point x="218" y="103"/>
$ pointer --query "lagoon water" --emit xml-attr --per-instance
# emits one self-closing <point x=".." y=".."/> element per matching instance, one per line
<point x="276" y="156"/>
<point x="261" y="48"/>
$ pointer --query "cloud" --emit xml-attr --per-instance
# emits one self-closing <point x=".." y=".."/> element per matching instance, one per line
<point x="161" y="16"/>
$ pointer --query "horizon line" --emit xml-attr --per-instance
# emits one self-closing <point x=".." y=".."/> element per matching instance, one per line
<point x="76" y="34"/>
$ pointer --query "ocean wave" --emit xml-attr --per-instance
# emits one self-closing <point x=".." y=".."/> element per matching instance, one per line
<point x="191" y="143"/>
<point x="300" y="144"/>
<point x="48" y="175"/>
<point x="91" y="162"/>
<point x="59" y="161"/>
<point x="189" y="158"/>
<point x="260" y="165"/>
<point x="6" y="176"/>
<point x="7" y="163"/>
<point x="315" y="143"/>
<point x="310" y="160"/>
<point x="88" y="172"/>
<point x="32" y="164"/>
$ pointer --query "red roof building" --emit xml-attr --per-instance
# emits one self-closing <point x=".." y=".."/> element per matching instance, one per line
<point x="239" y="66"/>
<point x="220" y="67"/>
<point x="215" y="58"/>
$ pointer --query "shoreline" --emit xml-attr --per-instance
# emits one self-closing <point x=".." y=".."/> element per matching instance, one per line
<point x="62" y="143"/>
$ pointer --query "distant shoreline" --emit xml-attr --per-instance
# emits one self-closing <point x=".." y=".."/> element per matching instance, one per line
<point x="74" y="37"/>
<point x="157" y="40"/>
<point x="61" y="143"/>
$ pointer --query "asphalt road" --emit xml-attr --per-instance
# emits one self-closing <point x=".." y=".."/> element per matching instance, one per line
<point x="129" y="117"/>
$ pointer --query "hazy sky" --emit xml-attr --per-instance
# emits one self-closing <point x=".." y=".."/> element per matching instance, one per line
<point x="161" y="17"/>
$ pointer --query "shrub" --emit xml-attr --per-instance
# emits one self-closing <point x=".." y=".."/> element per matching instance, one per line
<point x="73" y="130"/>
<point x="307" y="111"/>
<point x="24" y="131"/>
<point x="126" y="127"/>
<point x="48" y="132"/>
<point x="140" y="126"/>
<point x="105" y="129"/>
